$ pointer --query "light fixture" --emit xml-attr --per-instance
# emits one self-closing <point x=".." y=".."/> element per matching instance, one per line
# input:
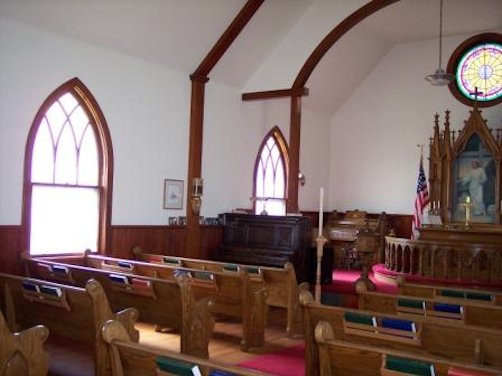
<point x="197" y="189"/>
<point x="440" y="77"/>
<point x="302" y="179"/>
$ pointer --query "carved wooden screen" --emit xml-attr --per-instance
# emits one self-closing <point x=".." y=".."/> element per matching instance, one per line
<point x="464" y="169"/>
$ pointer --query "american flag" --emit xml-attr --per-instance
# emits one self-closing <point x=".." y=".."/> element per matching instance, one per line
<point x="421" y="201"/>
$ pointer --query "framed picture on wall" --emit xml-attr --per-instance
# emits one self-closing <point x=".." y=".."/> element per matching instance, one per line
<point x="173" y="194"/>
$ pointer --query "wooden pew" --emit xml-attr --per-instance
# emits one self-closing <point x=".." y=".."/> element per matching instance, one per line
<point x="72" y="314"/>
<point x="342" y="358"/>
<point x="168" y="303"/>
<point x="463" y="343"/>
<point x="23" y="353"/>
<point x="129" y="358"/>
<point x="463" y="311"/>
<point x="454" y="294"/>
<point x="231" y="292"/>
<point x="279" y="283"/>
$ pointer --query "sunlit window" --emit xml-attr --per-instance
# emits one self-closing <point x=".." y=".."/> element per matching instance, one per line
<point x="271" y="175"/>
<point x="65" y="183"/>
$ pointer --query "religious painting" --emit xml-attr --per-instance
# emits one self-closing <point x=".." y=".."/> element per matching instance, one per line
<point x="173" y="194"/>
<point x="474" y="174"/>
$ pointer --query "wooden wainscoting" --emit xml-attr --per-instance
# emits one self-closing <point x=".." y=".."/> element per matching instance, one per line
<point x="169" y="240"/>
<point x="12" y="243"/>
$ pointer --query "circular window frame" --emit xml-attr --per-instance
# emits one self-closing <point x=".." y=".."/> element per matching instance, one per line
<point x="455" y="58"/>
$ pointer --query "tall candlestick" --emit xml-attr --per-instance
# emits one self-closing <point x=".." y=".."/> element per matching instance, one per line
<point x="321" y="200"/>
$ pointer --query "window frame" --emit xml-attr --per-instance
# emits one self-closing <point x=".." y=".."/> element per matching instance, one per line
<point x="282" y="145"/>
<point x="105" y="159"/>
<point x="457" y="56"/>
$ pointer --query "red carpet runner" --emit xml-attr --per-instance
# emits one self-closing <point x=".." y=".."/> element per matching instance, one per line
<point x="286" y="362"/>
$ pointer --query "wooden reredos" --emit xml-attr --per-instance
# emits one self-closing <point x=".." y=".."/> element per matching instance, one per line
<point x="452" y="157"/>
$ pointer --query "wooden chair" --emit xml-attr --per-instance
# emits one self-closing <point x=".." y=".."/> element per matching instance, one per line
<point x="280" y="283"/>
<point x="337" y="357"/>
<point x="23" y="353"/>
<point x="129" y="358"/>
<point x="73" y="315"/>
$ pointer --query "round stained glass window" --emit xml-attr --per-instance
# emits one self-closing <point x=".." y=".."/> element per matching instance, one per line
<point x="477" y="67"/>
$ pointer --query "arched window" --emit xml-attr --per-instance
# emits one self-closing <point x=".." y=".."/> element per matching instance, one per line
<point x="68" y="174"/>
<point x="477" y="67"/>
<point x="270" y="175"/>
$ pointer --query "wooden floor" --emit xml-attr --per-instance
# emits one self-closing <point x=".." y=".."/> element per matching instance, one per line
<point x="225" y="343"/>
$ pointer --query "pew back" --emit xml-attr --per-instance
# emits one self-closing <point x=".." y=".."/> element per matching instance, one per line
<point x="453" y="294"/>
<point x="439" y="308"/>
<point x="168" y="303"/>
<point x="280" y="283"/>
<point x="69" y="312"/>
<point x="345" y="358"/>
<point x="129" y="358"/>
<point x="231" y="292"/>
<point x="465" y="343"/>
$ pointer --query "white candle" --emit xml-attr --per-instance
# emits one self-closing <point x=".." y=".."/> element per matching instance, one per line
<point x="468" y="199"/>
<point x="321" y="200"/>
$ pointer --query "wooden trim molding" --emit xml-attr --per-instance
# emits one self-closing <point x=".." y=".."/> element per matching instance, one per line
<point x="105" y="151"/>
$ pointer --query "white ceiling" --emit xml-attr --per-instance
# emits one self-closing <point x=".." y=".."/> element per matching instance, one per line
<point x="179" y="33"/>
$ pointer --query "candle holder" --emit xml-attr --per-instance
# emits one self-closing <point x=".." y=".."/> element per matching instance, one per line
<point x="320" y="240"/>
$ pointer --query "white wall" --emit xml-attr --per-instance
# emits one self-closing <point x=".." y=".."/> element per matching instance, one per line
<point x="374" y="158"/>
<point x="146" y="108"/>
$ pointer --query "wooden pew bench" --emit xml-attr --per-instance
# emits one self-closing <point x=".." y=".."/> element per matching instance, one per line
<point x="340" y="358"/>
<point x="231" y="292"/>
<point x="23" y="353"/>
<point x="454" y="294"/>
<point x="463" y="343"/>
<point x="462" y="311"/>
<point x="73" y="315"/>
<point x="168" y="303"/>
<point x="279" y="283"/>
<point x="129" y="358"/>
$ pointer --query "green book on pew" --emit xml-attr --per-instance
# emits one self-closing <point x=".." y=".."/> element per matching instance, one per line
<point x="411" y="303"/>
<point x="177" y="367"/>
<point x="409" y="366"/>
<point x="359" y="318"/>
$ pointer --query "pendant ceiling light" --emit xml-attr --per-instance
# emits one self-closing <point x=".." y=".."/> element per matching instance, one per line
<point x="440" y="77"/>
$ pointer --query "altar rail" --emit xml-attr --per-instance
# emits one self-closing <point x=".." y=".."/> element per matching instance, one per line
<point x="470" y="262"/>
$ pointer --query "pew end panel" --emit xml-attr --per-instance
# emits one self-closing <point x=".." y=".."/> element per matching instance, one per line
<point x="128" y="358"/>
<point x="23" y="353"/>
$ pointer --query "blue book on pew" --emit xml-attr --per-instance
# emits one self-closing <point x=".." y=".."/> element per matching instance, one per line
<point x="398" y="324"/>
<point x="118" y="278"/>
<point x="218" y="372"/>
<point x="30" y="286"/>
<point x="449" y="308"/>
<point x="60" y="269"/>
<point x="124" y="264"/>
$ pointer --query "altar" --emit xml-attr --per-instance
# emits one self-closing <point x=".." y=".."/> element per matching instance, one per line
<point x="466" y="197"/>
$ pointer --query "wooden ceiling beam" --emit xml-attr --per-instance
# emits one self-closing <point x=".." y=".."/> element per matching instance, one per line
<point x="257" y="95"/>
<point x="227" y="38"/>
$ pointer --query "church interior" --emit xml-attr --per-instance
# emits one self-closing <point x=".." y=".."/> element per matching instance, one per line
<point x="326" y="198"/>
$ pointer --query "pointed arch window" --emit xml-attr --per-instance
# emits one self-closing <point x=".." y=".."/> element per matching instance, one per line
<point x="270" y="175"/>
<point x="68" y="170"/>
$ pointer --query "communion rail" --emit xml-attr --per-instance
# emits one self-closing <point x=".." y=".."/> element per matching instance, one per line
<point x="471" y="262"/>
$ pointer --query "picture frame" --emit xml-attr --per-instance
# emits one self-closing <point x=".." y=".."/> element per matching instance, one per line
<point x="173" y="194"/>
